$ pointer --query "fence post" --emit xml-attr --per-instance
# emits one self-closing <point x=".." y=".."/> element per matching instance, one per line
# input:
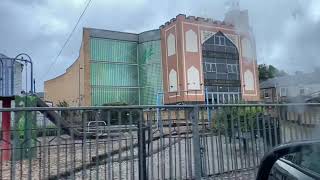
<point x="142" y="148"/>
<point x="196" y="142"/>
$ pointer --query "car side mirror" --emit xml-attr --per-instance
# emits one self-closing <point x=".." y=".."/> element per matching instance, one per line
<point x="298" y="160"/>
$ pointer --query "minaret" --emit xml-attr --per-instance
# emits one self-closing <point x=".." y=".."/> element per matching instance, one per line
<point x="239" y="18"/>
<point x="232" y="5"/>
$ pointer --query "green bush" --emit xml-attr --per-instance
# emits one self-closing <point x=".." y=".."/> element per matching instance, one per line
<point x="243" y="118"/>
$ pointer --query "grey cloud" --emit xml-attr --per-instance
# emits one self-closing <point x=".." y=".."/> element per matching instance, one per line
<point x="25" y="27"/>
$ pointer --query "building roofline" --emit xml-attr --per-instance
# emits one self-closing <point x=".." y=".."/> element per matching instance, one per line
<point x="208" y="21"/>
<point x="107" y="30"/>
<point x="99" y="29"/>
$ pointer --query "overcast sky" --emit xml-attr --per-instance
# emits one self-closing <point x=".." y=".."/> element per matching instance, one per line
<point x="286" y="31"/>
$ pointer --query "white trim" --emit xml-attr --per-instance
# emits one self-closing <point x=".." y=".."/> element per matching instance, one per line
<point x="204" y="39"/>
<point x="212" y="26"/>
<point x="178" y="80"/>
<point x="165" y="35"/>
<point x="253" y="64"/>
<point x="200" y="58"/>
<point x="184" y="59"/>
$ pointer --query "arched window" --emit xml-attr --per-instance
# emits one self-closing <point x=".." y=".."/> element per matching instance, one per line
<point x="193" y="78"/>
<point x="173" y="81"/>
<point x="171" y="44"/>
<point x="191" y="41"/>
<point x="248" y="80"/>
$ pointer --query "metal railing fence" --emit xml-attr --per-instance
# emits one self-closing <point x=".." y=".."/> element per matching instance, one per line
<point x="149" y="142"/>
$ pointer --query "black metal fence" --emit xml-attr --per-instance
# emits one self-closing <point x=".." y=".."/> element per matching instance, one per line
<point x="163" y="142"/>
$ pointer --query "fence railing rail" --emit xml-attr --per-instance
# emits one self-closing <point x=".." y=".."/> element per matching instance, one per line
<point x="148" y="142"/>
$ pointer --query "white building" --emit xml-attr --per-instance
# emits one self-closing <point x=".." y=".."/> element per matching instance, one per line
<point x="293" y="88"/>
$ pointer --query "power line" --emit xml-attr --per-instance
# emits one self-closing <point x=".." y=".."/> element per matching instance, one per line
<point x="68" y="39"/>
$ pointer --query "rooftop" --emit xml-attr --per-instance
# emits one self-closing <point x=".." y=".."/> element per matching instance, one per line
<point x="292" y="80"/>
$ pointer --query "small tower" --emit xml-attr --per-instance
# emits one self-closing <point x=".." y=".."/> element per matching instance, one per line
<point x="234" y="15"/>
<point x="232" y="5"/>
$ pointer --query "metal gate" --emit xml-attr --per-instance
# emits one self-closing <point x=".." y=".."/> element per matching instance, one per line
<point x="136" y="142"/>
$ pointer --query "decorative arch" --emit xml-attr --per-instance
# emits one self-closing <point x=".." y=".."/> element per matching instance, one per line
<point x="191" y="41"/>
<point x="247" y="50"/>
<point x="248" y="80"/>
<point x="171" y="44"/>
<point x="193" y="78"/>
<point x="173" y="81"/>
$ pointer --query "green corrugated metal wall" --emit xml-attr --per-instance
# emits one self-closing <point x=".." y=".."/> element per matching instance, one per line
<point x="102" y="95"/>
<point x="116" y="68"/>
<point x="113" y="50"/>
<point x="114" y="76"/>
<point x="150" y="72"/>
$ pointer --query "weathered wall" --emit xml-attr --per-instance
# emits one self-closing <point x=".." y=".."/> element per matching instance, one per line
<point x="66" y="86"/>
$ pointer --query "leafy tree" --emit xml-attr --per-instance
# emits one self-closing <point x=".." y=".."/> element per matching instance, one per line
<point x="269" y="71"/>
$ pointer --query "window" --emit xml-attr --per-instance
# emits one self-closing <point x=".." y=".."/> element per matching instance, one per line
<point x="222" y="41"/>
<point x="229" y="43"/>
<point x="220" y="55"/>
<point x="232" y="68"/>
<point x="283" y="91"/>
<point x="171" y="44"/>
<point x="216" y="40"/>
<point x="213" y="68"/>
<point x="210" y="67"/>
<point x="191" y="41"/>
<point x="221" y="68"/>
<point x="234" y="89"/>
<point x="266" y="93"/>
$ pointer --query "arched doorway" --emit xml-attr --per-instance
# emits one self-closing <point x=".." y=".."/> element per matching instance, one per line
<point x="220" y="60"/>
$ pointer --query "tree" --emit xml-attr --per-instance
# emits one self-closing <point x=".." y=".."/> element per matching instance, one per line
<point x="269" y="71"/>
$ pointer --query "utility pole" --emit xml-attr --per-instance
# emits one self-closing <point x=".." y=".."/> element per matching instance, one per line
<point x="79" y="85"/>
